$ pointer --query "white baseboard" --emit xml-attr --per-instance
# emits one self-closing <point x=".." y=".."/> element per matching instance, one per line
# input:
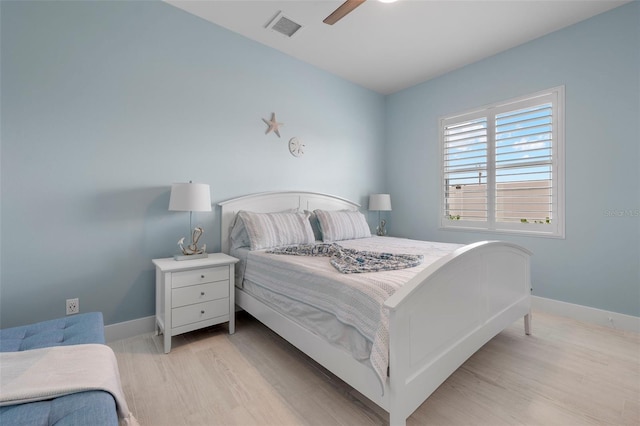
<point x="587" y="314"/>
<point x="126" y="329"/>
<point x="123" y="330"/>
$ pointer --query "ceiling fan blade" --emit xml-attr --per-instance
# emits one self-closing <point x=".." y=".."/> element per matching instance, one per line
<point x="342" y="11"/>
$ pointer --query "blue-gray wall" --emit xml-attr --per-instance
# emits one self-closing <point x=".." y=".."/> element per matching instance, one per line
<point x="598" y="61"/>
<point x="105" y="104"/>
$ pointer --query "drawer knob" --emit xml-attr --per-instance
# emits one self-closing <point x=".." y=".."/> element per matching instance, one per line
<point x="201" y="276"/>
<point x="202" y="293"/>
<point x="202" y="312"/>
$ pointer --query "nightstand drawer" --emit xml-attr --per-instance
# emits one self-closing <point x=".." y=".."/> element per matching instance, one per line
<point x="199" y="293"/>
<point x="199" y="312"/>
<point x="199" y="276"/>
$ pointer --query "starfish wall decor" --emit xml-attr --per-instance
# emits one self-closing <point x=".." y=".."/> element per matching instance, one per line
<point x="274" y="126"/>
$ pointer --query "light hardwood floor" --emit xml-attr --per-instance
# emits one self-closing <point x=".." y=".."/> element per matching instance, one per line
<point x="565" y="373"/>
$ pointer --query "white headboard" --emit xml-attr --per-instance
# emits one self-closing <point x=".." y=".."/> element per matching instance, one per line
<point x="266" y="202"/>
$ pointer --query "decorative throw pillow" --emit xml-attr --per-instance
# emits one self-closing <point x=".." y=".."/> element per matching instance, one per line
<point x="239" y="237"/>
<point x="342" y="225"/>
<point x="266" y="230"/>
<point x="315" y="225"/>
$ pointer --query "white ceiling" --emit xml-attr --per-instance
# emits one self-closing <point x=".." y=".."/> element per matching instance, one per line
<point x="389" y="47"/>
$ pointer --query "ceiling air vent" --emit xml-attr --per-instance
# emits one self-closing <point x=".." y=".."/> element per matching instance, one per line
<point x="283" y="25"/>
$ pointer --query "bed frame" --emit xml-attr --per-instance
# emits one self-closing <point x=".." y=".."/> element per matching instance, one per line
<point x="437" y="320"/>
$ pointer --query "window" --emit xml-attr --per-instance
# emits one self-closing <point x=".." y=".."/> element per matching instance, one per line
<point x="503" y="167"/>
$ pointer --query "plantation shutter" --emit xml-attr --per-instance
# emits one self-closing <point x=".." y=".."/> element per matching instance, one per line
<point x="503" y="166"/>
<point x="523" y="164"/>
<point x="465" y="169"/>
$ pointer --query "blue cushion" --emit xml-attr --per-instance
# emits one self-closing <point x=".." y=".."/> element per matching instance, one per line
<point x="84" y="408"/>
<point x="72" y="330"/>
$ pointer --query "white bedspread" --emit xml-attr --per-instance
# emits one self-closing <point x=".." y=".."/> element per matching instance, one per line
<point x="355" y="299"/>
<point x="41" y="374"/>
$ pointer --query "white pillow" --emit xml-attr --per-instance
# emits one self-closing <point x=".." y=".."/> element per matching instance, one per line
<point x="266" y="230"/>
<point x="342" y="225"/>
<point x="239" y="237"/>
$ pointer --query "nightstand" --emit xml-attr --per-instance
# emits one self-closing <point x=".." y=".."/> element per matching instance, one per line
<point x="192" y="294"/>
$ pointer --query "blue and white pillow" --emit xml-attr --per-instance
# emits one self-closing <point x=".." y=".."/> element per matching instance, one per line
<point x="267" y="230"/>
<point x="340" y="225"/>
<point x="315" y="225"/>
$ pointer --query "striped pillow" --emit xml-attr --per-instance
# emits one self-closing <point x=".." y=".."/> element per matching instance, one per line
<point x="240" y="238"/>
<point x="266" y="230"/>
<point x="342" y="225"/>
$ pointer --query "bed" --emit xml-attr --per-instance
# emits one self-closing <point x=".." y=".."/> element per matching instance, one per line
<point x="437" y="319"/>
<point x="94" y="407"/>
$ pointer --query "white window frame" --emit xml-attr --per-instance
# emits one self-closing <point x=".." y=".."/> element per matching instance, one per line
<point x="556" y="227"/>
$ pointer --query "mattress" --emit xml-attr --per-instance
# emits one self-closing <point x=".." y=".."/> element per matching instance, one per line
<point x="85" y="408"/>
<point x="284" y="282"/>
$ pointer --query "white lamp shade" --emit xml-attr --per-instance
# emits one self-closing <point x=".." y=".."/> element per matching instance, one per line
<point x="185" y="197"/>
<point x="380" y="202"/>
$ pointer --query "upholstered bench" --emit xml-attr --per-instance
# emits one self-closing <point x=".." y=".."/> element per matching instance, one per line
<point x="84" y="408"/>
<point x="73" y="330"/>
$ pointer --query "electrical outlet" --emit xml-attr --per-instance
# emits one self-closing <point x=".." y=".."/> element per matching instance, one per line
<point x="73" y="306"/>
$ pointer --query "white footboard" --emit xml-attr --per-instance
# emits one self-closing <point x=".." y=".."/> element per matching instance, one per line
<point x="447" y="312"/>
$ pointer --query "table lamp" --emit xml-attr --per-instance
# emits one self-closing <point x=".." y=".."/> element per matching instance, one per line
<point x="380" y="202"/>
<point x="191" y="197"/>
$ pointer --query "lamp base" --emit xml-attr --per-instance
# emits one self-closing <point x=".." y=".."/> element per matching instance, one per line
<point x="190" y="256"/>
